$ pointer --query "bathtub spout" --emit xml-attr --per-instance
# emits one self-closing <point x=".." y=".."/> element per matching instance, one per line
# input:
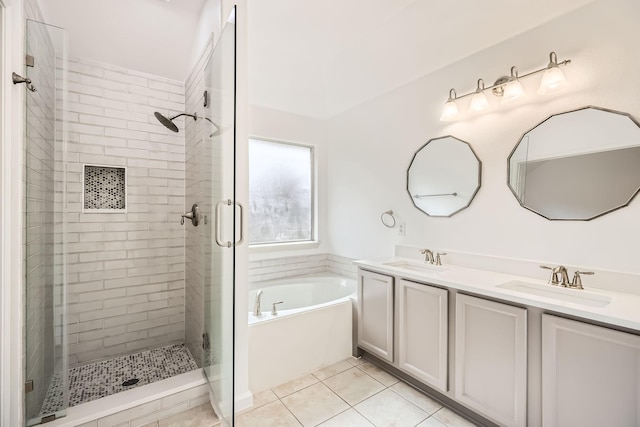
<point x="256" y="305"/>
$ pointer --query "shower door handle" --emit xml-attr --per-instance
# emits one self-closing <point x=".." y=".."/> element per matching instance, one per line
<point x="241" y="239"/>
<point x="218" y="228"/>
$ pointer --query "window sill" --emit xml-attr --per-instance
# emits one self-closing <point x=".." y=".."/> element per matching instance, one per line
<point x="275" y="247"/>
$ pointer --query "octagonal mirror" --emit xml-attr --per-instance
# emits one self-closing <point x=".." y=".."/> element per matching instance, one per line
<point x="577" y="165"/>
<point x="444" y="176"/>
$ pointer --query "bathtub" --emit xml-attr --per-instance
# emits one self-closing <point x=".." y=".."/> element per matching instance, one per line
<point x="312" y="328"/>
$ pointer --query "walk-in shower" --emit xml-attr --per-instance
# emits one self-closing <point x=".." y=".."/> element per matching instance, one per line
<point x="119" y="294"/>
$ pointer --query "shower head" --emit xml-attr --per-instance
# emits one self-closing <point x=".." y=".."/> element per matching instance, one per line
<point x="168" y="123"/>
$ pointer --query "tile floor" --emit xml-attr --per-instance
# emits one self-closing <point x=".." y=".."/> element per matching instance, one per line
<point x="351" y="393"/>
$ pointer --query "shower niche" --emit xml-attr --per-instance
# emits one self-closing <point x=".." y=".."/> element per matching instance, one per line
<point x="104" y="189"/>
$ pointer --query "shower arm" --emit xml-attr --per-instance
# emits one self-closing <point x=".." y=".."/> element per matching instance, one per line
<point x="193" y="116"/>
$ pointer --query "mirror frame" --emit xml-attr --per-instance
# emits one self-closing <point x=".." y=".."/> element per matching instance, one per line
<point x="472" y="195"/>
<point x="607" y="110"/>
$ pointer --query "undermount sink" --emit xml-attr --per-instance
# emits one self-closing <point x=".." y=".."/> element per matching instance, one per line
<point x="576" y="296"/>
<point x="417" y="266"/>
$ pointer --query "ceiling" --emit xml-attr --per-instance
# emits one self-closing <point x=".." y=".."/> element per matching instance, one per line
<point x="321" y="58"/>
<point x="314" y="58"/>
<point x="152" y="36"/>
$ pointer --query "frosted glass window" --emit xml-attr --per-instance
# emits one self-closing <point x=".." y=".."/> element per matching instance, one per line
<point x="280" y="192"/>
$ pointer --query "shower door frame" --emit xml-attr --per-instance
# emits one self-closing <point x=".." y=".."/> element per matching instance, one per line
<point x="11" y="192"/>
<point x="223" y="204"/>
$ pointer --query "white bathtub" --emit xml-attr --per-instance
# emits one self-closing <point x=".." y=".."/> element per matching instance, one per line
<point x="313" y="328"/>
<point x="299" y="294"/>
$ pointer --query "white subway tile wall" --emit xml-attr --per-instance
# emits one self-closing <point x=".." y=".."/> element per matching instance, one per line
<point x="279" y="268"/>
<point x="126" y="270"/>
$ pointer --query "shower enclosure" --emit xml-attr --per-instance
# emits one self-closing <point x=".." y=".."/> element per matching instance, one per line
<point x="225" y="235"/>
<point x="44" y="253"/>
<point x="85" y="297"/>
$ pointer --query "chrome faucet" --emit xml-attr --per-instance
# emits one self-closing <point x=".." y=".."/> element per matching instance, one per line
<point x="256" y="304"/>
<point x="428" y="255"/>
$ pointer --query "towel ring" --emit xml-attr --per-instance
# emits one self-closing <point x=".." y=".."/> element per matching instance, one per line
<point x="388" y="219"/>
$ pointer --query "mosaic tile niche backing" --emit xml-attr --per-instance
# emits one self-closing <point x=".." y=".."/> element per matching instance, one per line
<point x="104" y="188"/>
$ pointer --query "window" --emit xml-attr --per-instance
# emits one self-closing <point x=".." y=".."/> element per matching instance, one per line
<point x="281" y="192"/>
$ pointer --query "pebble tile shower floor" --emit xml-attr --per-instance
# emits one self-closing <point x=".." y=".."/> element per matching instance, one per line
<point x="100" y="379"/>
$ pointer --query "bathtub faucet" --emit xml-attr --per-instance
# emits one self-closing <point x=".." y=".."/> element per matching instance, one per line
<point x="256" y="305"/>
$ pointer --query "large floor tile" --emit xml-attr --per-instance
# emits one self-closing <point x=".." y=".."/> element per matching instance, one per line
<point x="389" y="409"/>
<point x="431" y="422"/>
<point x="451" y="419"/>
<point x="355" y="361"/>
<point x="414" y="396"/>
<point x="350" y="418"/>
<point x="262" y="398"/>
<point x="199" y="416"/>
<point x="332" y="370"/>
<point x="295" y="385"/>
<point x="314" y="404"/>
<point x="379" y="374"/>
<point x="273" y="414"/>
<point x="353" y="385"/>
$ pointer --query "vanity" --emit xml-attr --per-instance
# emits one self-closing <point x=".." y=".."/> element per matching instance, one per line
<point x="515" y="350"/>
<point x="491" y="337"/>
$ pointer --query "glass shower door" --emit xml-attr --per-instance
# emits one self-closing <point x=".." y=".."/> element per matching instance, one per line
<point x="45" y="275"/>
<point x="219" y="289"/>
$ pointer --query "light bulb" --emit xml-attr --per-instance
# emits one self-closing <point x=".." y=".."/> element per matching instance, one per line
<point x="450" y="110"/>
<point x="552" y="79"/>
<point x="479" y="102"/>
<point x="513" y="90"/>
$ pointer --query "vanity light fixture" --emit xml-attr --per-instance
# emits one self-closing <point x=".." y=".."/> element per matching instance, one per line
<point x="450" y="108"/>
<point x="513" y="90"/>
<point x="479" y="100"/>
<point x="508" y="88"/>
<point x="553" y="77"/>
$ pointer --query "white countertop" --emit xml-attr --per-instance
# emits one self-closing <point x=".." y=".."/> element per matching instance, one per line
<point x="623" y="310"/>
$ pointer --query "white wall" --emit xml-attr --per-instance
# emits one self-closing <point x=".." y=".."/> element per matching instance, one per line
<point x="372" y="145"/>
